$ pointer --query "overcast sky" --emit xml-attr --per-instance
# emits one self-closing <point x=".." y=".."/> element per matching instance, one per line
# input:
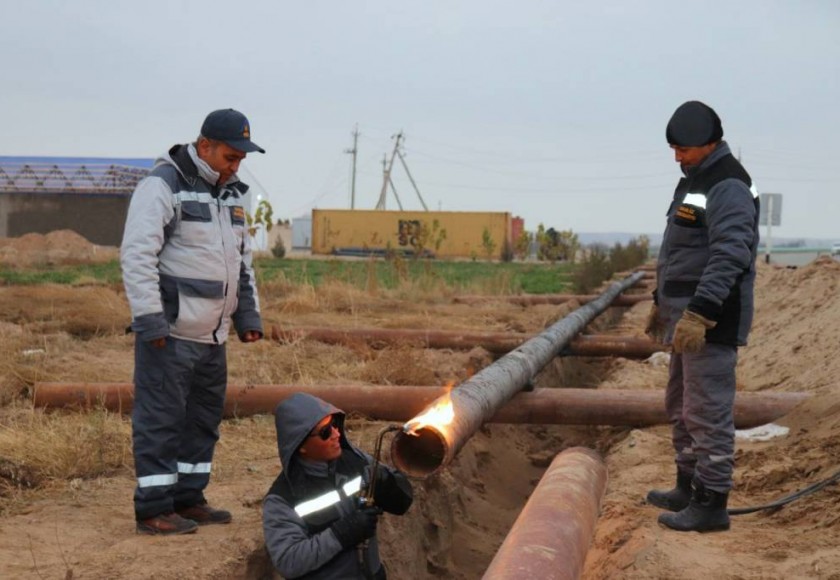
<point x="551" y="110"/>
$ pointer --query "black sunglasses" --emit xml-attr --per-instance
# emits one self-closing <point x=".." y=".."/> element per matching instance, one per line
<point x="325" y="432"/>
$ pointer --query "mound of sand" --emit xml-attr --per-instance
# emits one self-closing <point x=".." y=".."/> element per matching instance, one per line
<point x="54" y="248"/>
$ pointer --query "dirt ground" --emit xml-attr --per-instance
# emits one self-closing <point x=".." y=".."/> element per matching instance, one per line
<point x="66" y="479"/>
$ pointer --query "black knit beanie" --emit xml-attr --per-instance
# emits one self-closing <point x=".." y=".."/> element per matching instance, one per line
<point x="694" y="124"/>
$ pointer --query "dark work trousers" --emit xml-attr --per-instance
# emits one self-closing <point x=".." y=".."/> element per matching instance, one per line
<point x="179" y="395"/>
<point x="699" y="401"/>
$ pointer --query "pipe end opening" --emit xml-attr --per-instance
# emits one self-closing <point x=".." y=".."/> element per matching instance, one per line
<point x="419" y="455"/>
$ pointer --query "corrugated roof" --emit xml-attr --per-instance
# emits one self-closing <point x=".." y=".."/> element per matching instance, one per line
<point x="90" y="175"/>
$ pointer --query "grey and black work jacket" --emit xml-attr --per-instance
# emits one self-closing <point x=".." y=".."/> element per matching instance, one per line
<point x="186" y="254"/>
<point x="707" y="258"/>
<point x="308" y="497"/>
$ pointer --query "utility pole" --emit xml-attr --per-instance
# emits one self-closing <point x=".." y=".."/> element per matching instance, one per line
<point x="411" y="179"/>
<point x="386" y="179"/>
<point x="354" y="151"/>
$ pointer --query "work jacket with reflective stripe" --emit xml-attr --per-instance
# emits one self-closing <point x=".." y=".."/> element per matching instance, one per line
<point x="308" y="497"/>
<point x="186" y="254"/>
<point x="707" y="258"/>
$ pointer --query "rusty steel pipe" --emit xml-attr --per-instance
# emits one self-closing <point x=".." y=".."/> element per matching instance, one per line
<point x="550" y="406"/>
<point x="532" y="299"/>
<point x="612" y="345"/>
<point x="494" y="342"/>
<point x="649" y="274"/>
<point x="551" y="536"/>
<point x="497" y="343"/>
<point x="429" y="448"/>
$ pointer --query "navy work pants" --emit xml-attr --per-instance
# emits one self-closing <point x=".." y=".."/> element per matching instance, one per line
<point x="699" y="401"/>
<point x="179" y="395"/>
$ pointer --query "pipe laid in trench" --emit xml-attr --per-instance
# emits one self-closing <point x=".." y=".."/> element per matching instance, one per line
<point x="497" y="343"/>
<point x="551" y="536"/>
<point x="431" y="440"/>
<point x="532" y="299"/>
<point x="386" y="403"/>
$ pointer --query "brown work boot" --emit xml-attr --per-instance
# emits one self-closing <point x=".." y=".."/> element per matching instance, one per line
<point x="203" y="514"/>
<point x="166" y="525"/>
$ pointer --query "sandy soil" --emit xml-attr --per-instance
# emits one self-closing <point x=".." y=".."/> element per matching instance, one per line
<point x="58" y="247"/>
<point x="82" y="527"/>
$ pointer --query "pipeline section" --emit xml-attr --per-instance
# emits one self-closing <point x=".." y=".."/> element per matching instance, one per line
<point x="496" y="343"/>
<point x="551" y="536"/>
<point x="550" y="406"/>
<point x="623" y="300"/>
<point x="428" y="448"/>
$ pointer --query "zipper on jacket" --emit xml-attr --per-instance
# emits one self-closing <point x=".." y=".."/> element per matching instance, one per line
<point x="227" y="270"/>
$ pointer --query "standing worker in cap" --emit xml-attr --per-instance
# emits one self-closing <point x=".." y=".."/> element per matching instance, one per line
<point x="314" y="522"/>
<point x="703" y="306"/>
<point x="186" y="264"/>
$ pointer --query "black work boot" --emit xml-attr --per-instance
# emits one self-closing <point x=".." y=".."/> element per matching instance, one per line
<point x="674" y="499"/>
<point x="202" y="514"/>
<point x="166" y="525"/>
<point x="706" y="512"/>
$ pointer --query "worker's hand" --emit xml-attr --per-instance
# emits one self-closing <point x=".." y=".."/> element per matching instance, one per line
<point x="690" y="332"/>
<point x="158" y="342"/>
<point x="251" y="336"/>
<point x="356" y="527"/>
<point x="654" y="327"/>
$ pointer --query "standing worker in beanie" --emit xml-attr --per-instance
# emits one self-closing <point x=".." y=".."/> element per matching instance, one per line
<point x="703" y="306"/>
<point x="186" y="264"/>
<point x="313" y="520"/>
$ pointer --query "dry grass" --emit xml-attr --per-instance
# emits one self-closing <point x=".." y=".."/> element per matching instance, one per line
<point x="75" y="334"/>
<point x="37" y="448"/>
<point x="85" y="312"/>
<point x="400" y="365"/>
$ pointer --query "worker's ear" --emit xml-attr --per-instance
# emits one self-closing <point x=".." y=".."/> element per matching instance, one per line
<point x="302" y="451"/>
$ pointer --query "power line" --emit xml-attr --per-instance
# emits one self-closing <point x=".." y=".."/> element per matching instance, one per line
<point x="531" y="174"/>
<point x="558" y="190"/>
<point x="516" y="156"/>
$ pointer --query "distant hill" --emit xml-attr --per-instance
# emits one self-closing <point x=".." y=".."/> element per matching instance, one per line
<point x="611" y="238"/>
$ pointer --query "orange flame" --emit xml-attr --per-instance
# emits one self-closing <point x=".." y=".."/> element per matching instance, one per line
<point x="439" y="415"/>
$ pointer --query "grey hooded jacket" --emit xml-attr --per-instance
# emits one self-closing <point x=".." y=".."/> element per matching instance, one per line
<point x="186" y="254"/>
<point x="707" y="259"/>
<point x="298" y="537"/>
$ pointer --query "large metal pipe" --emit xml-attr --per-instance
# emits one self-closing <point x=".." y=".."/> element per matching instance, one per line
<point x="424" y="447"/>
<point x="649" y="273"/>
<point x="385" y="403"/>
<point x="497" y="343"/>
<point x="551" y="536"/>
<point x="609" y="345"/>
<point x="532" y="299"/>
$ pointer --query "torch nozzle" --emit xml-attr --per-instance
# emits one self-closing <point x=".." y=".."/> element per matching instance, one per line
<point x="367" y="498"/>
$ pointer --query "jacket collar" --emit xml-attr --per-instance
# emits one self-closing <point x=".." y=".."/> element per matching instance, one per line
<point x="721" y="151"/>
<point x="191" y="167"/>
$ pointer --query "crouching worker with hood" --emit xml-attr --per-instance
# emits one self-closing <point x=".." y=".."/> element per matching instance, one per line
<point x="313" y="520"/>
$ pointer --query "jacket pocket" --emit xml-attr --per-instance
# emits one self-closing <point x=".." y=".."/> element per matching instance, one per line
<point x="195" y="211"/>
<point x="197" y="227"/>
<point x="169" y="297"/>
<point x="682" y="236"/>
<point x="199" y="310"/>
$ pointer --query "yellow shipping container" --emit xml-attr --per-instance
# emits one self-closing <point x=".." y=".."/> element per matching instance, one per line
<point x="443" y="234"/>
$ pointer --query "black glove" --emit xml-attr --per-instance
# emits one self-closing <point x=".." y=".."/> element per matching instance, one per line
<point x="356" y="527"/>
<point x="393" y="491"/>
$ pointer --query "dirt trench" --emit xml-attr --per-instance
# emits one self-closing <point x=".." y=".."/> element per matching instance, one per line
<point x="461" y="516"/>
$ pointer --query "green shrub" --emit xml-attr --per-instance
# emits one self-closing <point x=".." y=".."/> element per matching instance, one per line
<point x="278" y="250"/>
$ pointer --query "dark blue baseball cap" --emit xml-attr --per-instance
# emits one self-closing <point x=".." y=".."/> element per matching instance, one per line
<point x="231" y="127"/>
